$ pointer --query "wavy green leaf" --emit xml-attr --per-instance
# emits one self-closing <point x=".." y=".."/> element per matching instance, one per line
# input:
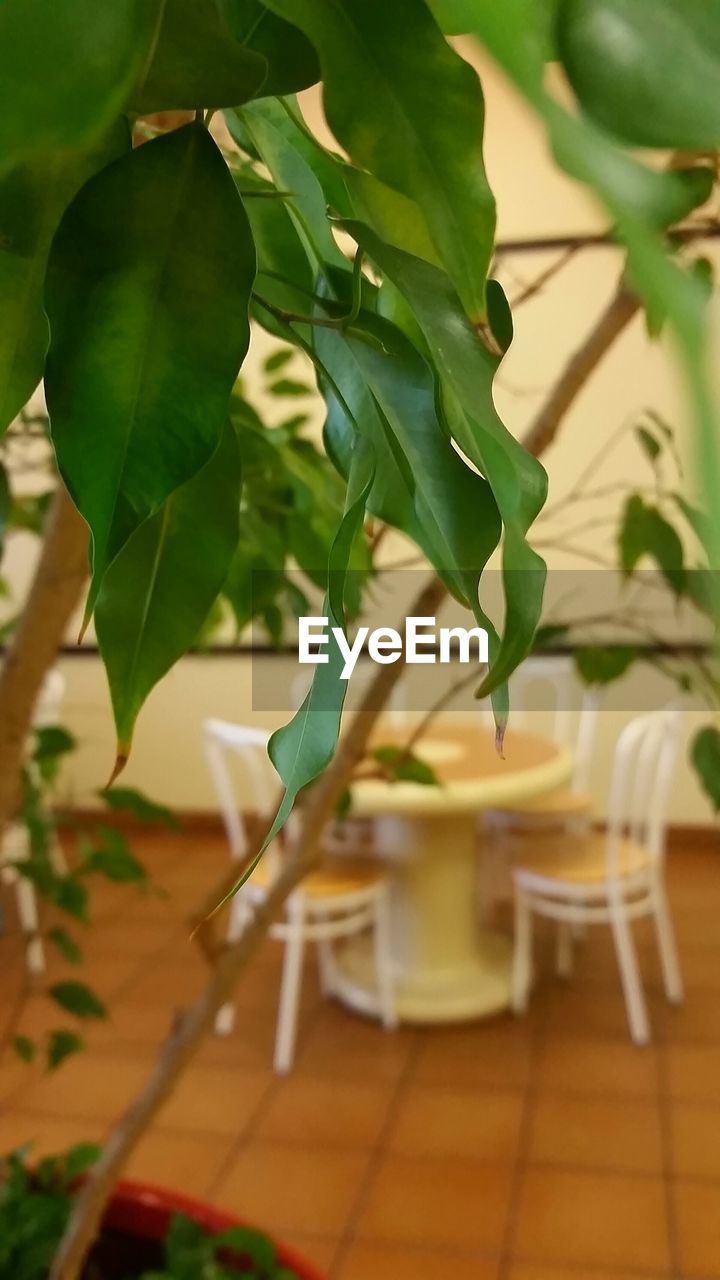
<point x="410" y="111"/>
<point x="67" y="71"/>
<point x="156" y="596"/>
<point x="466" y="366"/>
<point x="292" y="63"/>
<point x="148" y="288"/>
<point x="32" y="200"/>
<point x="648" y="74"/>
<point x="197" y="62"/>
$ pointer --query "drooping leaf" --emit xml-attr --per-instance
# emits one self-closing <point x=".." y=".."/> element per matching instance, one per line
<point x="148" y="288"/>
<point x="197" y="62"/>
<point x="645" y="531"/>
<point x="61" y="1045"/>
<point x="156" y="596"/>
<point x="648" y="74"/>
<point x="130" y="800"/>
<point x="32" y="200"/>
<point x="52" y="742"/>
<point x="66" y="944"/>
<point x="291" y="61"/>
<point x="410" y="111"/>
<point x="601" y="664"/>
<point x="67" y="71"/>
<point x="705" y="756"/>
<point x="78" y="999"/>
<point x="518" y="482"/>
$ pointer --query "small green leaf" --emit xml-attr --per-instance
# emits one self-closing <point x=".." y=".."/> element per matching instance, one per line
<point x="147" y="297"/>
<point x="66" y="945"/>
<point x="278" y="359"/>
<point x="705" y="756"/>
<point x="645" y="531"/>
<point x="129" y="800"/>
<point x="289" y="387"/>
<point x="78" y="999"/>
<point x="157" y="594"/>
<point x="196" y="62"/>
<point x="598" y="664"/>
<point x="648" y="443"/>
<point x="24" y="1048"/>
<point x="61" y="1045"/>
<point x="404" y="766"/>
<point x="113" y="859"/>
<point x="82" y="1156"/>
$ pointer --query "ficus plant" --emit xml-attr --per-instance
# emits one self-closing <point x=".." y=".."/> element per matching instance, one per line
<point x="134" y="259"/>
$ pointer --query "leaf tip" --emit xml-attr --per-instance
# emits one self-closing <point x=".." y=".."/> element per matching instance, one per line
<point x="500" y="728"/>
<point x="121" y="759"/>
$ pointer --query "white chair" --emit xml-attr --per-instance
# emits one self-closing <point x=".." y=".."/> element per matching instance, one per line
<point x="338" y="900"/>
<point x="15" y="846"/>
<point x="611" y="878"/>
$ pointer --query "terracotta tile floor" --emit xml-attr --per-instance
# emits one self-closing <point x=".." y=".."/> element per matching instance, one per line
<point x="547" y="1149"/>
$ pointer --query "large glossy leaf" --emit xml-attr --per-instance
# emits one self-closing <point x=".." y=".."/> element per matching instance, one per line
<point x="292" y="62"/>
<point x="467" y="366"/>
<point x="32" y="200"/>
<point x="156" y="596"/>
<point x="648" y="73"/>
<point x="636" y="200"/>
<point x="66" y="71"/>
<point x="196" y="62"/>
<point x="148" y="287"/>
<point x="408" y="109"/>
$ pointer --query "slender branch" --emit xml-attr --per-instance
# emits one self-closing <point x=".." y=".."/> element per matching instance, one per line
<point x="621" y="309"/>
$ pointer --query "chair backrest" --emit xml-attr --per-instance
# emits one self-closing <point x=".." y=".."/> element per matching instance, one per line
<point x="643" y="766"/>
<point x="223" y="742"/>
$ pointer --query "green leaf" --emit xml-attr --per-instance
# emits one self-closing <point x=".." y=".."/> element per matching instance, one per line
<point x="52" y="742"/>
<point x="292" y="63"/>
<point x="5" y="503"/>
<point x="78" y="999"/>
<point x="648" y="444"/>
<point x="129" y="800"/>
<point x="404" y="766"/>
<point x="197" y="62"/>
<point x="705" y="756"/>
<point x="278" y="359"/>
<point x="645" y="531"/>
<point x="66" y="945"/>
<point x="24" y="1048"/>
<point x="83" y="1155"/>
<point x="150" y="276"/>
<point x="60" y="1046"/>
<point x="467" y="367"/>
<point x="67" y="70"/>
<point x="410" y="111"/>
<point x="649" y="78"/>
<point x="113" y="859"/>
<point x="601" y="664"/>
<point x="32" y="200"/>
<point x="157" y="594"/>
<point x="289" y="387"/>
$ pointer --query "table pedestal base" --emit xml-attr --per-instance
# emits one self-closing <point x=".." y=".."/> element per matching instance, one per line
<point x="477" y="989"/>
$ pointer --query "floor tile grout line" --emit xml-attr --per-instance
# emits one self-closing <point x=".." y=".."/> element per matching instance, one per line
<point x="522" y="1150"/>
<point x="665" y="1107"/>
<point x="377" y="1152"/>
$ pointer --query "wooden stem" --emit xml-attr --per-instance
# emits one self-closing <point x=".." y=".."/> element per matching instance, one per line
<point x="54" y="595"/>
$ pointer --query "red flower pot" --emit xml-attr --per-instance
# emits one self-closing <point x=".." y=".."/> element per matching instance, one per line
<point x="145" y="1213"/>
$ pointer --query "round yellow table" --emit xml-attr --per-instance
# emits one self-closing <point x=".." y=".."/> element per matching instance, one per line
<point x="447" y="968"/>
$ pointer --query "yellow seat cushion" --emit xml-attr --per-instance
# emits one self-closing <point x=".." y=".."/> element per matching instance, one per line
<point x="332" y="878"/>
<point x="579" y="860"/>
<point x="561" y="803"/>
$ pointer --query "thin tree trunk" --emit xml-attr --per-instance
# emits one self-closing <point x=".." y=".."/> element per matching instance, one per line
<point x="56" y="590"/>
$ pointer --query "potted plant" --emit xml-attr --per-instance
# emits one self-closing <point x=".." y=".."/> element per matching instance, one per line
<point x="130" y="274"/>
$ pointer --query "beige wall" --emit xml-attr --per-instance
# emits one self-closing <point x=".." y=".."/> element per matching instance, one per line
<point x="533" y="199"/>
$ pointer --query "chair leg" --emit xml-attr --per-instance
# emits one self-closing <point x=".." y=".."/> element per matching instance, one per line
<point x="630" y="975"/>
<point x="383" y="964"/>
<point x="290" y="990"/>
<point x="564" y="949"/>
<point x="29" y="922"/>
<point x="225" y="1017"/>
<point x="522" y="955"/>
<point x="326" y="967"/>
<point x="672" y="978"/>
